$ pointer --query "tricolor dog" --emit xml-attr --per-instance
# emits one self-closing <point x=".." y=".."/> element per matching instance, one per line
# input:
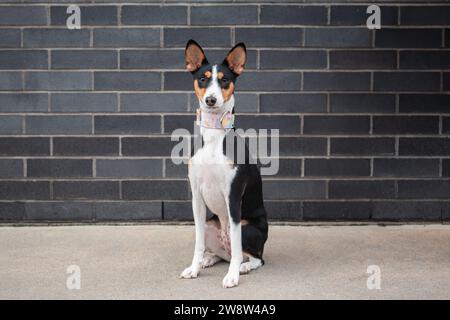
<point x="231" y="189"/>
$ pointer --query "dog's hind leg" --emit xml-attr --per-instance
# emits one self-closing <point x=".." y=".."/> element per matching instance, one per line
<point x="252" y="264"/>
<point x="210" y="259"/>
<point x="253" y="247"/>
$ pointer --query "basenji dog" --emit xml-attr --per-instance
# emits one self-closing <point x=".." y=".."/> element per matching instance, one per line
<point x="232" y="190"/>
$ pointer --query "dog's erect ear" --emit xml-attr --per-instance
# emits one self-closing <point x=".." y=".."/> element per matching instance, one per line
<point x="194" y="55"/>
<point x="235" y="59"/>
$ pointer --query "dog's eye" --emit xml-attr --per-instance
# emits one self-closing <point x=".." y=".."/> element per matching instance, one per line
<point x="202" y="79"/>
<point x="224" y="80"/>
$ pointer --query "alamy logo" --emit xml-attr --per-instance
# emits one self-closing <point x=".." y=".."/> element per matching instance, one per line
<point x="374" y="280"/>
<point x="73" y="22"/>
<point x="258" y="147"/>
<point x="374" y="20"/>
<point x="73" y="281"/>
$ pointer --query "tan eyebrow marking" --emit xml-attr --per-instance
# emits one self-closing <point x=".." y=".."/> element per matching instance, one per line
<point x="208" y="74"/>
<point x="219" y="75"/>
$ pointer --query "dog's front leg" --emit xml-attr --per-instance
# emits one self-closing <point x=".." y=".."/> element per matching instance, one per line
<point x="199" y="211"/>
<point x="234" y="215"/>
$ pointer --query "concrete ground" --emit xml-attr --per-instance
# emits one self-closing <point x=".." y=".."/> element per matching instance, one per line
<point x="302" y="262"/>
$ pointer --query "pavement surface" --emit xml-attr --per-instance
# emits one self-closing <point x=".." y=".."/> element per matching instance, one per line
<point x="302" y="262"/>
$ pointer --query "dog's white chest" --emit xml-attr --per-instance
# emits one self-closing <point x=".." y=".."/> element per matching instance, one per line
<point x="212" y="173"/>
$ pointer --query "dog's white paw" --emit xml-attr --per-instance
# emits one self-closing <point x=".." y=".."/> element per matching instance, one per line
<point x="190" y="273"/>
<point x="209" y="260"/>
<point x="245" y="267"/>
<point x="230" y="280"/>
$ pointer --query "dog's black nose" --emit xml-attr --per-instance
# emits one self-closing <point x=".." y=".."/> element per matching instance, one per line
<point x="210" y="101"/>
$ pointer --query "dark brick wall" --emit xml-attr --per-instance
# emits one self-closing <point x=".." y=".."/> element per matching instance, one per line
<point x="86" y="115"/>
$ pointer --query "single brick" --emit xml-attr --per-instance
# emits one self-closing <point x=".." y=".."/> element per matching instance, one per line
<point x="293" y="102"/>
<point x="23" y="102"/>
<point x="336" y="81"/>
<point x="212" y="37"/>
<point x="24" y="146"/>
<point x="425" y="103"/>
<point x="84" y="102"/>
<point x="129" y="168"/>
<point x="445" y="124"/>
<point x="58" y="124"/>
<point x="11" y="81"/>
<point x="24" y="190"/>
<point x="56" y="38"/>
<point x="269" y="81"/>
<point x="90" y="15"/>
<point x="362" y="103"/>
<point x="224" y="15"/>
<point x="406" y="81"/>
<point x="12" y="211"/>
<point x="152" y="59"/>
<point x="307" y="59"/>
<point x="154" y="15"/>
<point x="127" y="124"/>
<point x="362" y="146"/>
<point x="84" y="59"/>
<point x="447" y="38"/>
<point x="178" y="81"/>
<point x="446" y="81"/>
<point x="269" y="37"/>
<point x="155" y="190"/>
<point x="299" y="146"/>
<point x="59" y="168"/>
<point x="153" y="147"/>
<point x="363" y="60"/>
<point x="18" y="59"/>
<point x="23" y="15"/>
<point x="11" y="168"/>
<point x="425" y="15"/>
<point x="59" y="211"/>
<point x="336" y="124"/>
<point x="178" y="210"/>
<point x="301" y="15"/>
<point x="99" y="190"/>
<point x="337" y="167"/>
<point x="357" y="15"/>
<point x="338" y="37"/>
<point x="424" y="189"/>
<point x="286" y="167"/>
<point x="153" y="102"/>
<point x="285" y="124"/>
<point x="72" y="146"/>
<point x="175" y="170"/>
<point x="284" y="210"/>
<point x="127" y="37"/>
<point x="293" y="189"/>
<point x="361" y="189"/>
<point x="133" y="81"/>
<point x="332" y="210"/>
<point x="10" y="125"/>
<point x="446" y="167"/>
<point x="406" y="210"/>
<point x="174" y="122"/>
<point x="424" y="146"/>
<point x="424" y="60"/>
<point x="408" y="38"/>
<point x="64" y="81"/>
<point x="405" y="167"/>
<point x="405" y="125"/>
<point x="126" y="210"/>
<point x="10" y="38"/>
